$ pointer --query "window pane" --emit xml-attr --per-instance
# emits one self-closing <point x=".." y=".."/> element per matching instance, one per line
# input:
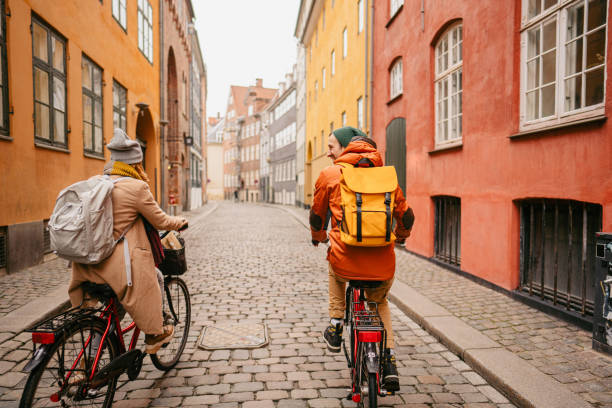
<point x="57" y="48"/>
<point x="597" y="13"/>
<point x="549" y="67"/>
<point x="98" y="113"/>
<point x="41" y="85"/>
<point x="87" y="109"/>
<point x="549" y="3"/>
<point x="98" y="139"/>
<point x="59" y="95"/>
<point x="575" y="22"/>
<point x="533" y="104"/>
<point x="573" y="93"/>
<point x="533" y="74"/>
<point x="573" y="57"/>
<point x="86" y="74"/>
<point x="533" y="42"/>
<point x="595" y="48"/>
<point x="116" y="120"/>
<point x="41" y="113"/>
<point x="87" y="137"/>
<point x="549" y="36"/>
<point x="594" y="91"/>
<point x="548" y="100"/>
<point x="59" y="134"/>
<point x="97" y="80"/>
<point x="40" y="42"/>
<point x="534" y="8"/>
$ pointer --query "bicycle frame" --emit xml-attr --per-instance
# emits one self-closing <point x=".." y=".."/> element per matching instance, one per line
<point x="367" y="332"/>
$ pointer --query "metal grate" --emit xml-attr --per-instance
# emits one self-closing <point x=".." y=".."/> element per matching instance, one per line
<point x="447" y="236"/>
<point x="3" y="247"/>
<point x="46" y="238"/>
<point x="558" y="250"/>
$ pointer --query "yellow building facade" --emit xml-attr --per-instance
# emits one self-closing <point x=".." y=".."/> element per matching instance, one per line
<point x="336" y="36"/>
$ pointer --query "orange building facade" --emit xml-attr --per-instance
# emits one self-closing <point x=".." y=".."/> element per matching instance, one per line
<point x="71" y="73"/>
<point x="494" y="115"/>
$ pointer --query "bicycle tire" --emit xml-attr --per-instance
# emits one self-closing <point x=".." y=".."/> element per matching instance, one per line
<point x="58" y="351"/>
<point x="168" y="356"/>
<point x="372" y="400"/>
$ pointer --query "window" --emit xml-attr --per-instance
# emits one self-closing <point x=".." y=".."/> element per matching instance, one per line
<point x="145" y="29"/>
<point x="449" y="86"/>
<point x="119" y="12"/>
<point x="91" y="78"/>
<point x="344" y="42"/>
<point x="333" y="63"/>
<point x="4" y="108"/>
<point x="563" y="54"/>
<point x="395" y="6"/>
<point x="395" y="79"/>
<point x="558" y="251"/>
<point x="361" y="16"/>
<point x="49" y="64"/>
<point x="119" y="106"/>
<point x="360" y="112"/>
<point x="447" y="230"/>
<point x="343" y="119"/>
<point x="323" y="78"/>
<point x="250" y="110"/>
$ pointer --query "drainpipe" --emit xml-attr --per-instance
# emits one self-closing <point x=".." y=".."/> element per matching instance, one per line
<point x="162" y="169"/>
<point x="365" y="82"/>
<point x="371" y="66"/>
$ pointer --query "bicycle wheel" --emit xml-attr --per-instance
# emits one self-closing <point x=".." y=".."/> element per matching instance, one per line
<point x="177" y="311"/>
<point x="372" y="398"/>
<point x="46" y="386"/>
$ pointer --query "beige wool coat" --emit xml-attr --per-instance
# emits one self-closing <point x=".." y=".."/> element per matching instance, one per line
<point x="142" y="300"/>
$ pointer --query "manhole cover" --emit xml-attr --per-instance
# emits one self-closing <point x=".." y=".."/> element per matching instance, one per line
<point x="233" y="336"/>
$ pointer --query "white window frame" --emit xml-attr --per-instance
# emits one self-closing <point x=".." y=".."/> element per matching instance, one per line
<point x="394" y="6"/>
<point x="360" y="16"/>
<point x="360" y="113"/>
<point x="558" y="12"/>
<point x="119" y="12"/>
<point x="344" y="119"/>
<point x="396" y="87"/>
<point x="344" y="42"/>
<point x="333" y="62"/>
<point x="452" y="72"/>
<point x="145" y="29"/>
<point x="323" y="78"/>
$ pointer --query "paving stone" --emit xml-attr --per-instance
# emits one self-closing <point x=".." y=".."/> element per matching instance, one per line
<point x="272" y="395"/>
<point x="237" y="397"/>
<point x="201" y="400"/>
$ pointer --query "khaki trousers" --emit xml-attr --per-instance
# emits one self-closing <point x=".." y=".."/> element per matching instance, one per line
<point x="337" y="300"/>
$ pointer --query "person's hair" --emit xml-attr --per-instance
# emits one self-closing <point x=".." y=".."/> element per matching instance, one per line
<point x="141" y="172"/>
<point x="364" y="139"/>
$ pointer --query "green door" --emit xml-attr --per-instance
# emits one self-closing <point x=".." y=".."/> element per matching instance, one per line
<point x="395" y="154"/>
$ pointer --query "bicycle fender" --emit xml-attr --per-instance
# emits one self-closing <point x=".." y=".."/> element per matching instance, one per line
<point x="37" y="358"/>
<point x="372" y="360"/>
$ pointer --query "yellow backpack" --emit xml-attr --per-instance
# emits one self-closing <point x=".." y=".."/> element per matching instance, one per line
<point x="367" y="202"/>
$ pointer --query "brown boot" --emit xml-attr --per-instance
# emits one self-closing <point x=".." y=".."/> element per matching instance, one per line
<point x="154" y="342"/>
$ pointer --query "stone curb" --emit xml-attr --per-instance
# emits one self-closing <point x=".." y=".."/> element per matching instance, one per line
<point x="40" y="309"/>
<point x="521" y="382"/>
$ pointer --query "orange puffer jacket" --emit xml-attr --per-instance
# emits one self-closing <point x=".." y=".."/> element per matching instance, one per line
<point x="350" y="262"/>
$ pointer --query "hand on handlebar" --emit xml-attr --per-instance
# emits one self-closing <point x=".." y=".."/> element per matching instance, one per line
<point x="316" y="243"/>
<point x="184" y="226"/>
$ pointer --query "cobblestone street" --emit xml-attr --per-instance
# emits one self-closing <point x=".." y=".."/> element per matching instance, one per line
<point x="253" y="263"/>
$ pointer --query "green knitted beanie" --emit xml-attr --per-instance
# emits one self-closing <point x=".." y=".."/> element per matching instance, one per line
<point x="345" y="134"/>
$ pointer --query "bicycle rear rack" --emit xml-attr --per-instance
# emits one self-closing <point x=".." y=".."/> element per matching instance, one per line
<point x="368" y="320"/>
<point x="57" y="323"/>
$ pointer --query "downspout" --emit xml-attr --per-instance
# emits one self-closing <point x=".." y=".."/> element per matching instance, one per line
<point x="365" y="90"/>
<point x="371" y="102"/>
<point x="162" y="128"/>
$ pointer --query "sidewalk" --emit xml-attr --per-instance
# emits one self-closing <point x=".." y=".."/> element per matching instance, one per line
<point x="535" y="359"/>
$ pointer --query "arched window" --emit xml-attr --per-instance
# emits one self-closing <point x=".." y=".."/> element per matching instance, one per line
<point x="396" y="86"/>
<point x="449" y="85"/>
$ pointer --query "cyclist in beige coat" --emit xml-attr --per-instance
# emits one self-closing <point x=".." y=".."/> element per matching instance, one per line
<point x="132" y="200"/>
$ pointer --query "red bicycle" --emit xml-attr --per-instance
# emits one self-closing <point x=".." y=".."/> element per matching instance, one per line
<point x="82" y="352"/>
<point x="367" y="342"/>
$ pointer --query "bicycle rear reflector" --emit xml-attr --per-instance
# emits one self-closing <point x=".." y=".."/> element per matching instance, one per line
<point x="370" y="337"/>
<point x="43" y="338"/>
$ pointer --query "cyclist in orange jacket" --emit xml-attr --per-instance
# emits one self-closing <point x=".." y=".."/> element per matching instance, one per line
<point x="350" y="145"/>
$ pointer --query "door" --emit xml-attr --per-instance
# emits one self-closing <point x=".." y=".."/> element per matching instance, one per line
<point x="395" y="154"/>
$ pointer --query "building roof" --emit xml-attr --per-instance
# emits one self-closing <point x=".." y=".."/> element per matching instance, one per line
<point x="213" y="133"/>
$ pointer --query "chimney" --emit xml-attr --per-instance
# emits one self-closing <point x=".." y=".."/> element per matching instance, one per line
<point x="281" y="87"/>
<point x="218" y="115"/>
<point x="259" y="82"/>
<point x="288" y="79"/>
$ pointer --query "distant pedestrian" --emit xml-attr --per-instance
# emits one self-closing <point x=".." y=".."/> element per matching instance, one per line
<point x="350" y="147"/>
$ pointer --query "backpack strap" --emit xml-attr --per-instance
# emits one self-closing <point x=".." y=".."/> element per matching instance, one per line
<point x="126" y="253"/>
<point x="359" y="204"/>
<point x="388" y="211"/>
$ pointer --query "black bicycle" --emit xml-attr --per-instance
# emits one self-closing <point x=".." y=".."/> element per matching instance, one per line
<point x="82" y="352"/>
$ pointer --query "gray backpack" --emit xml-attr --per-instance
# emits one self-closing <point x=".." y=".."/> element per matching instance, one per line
<point x="81" y="225"/>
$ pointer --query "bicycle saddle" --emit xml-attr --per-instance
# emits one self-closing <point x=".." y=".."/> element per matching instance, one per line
<point x="100" y="291"/>
<point x="365" y="283"/>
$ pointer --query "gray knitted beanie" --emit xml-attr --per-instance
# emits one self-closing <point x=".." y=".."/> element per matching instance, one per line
<point x="124" y="149"/>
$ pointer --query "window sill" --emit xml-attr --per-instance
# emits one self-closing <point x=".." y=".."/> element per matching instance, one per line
<point x="447" y="147"/>
<point x="599" y="119"/>
<point x="51" y="147"/>
<point x="94" y="156"/>
<point x="395" y="98"/>
<point x="392" y="19"/>
<point x="7" y="138"/>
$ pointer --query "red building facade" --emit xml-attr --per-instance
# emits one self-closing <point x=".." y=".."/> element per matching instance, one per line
<point x="494" y="114"/>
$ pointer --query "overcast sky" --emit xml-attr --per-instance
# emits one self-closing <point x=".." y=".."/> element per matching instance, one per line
<point x="242" y="40"/>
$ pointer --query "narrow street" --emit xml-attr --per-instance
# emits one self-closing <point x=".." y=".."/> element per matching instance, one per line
<point x="254" y="263"/>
